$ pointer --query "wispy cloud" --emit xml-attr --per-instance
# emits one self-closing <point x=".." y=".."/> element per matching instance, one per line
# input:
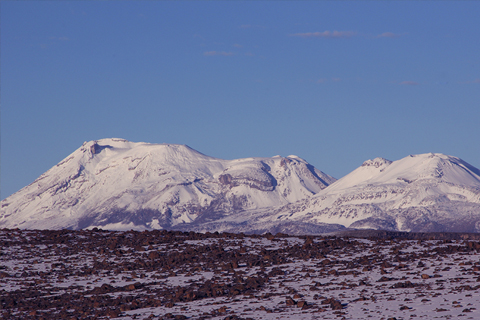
<point x="343" y="34"/>
<point x="218" y="53"/>
<point x="326" y="34"/>
<point x="469" y="82"/>
<point x="325" y="80"/>
<point x="249" y="26"/>
<point x="249" y="54"/>
<point x="389" y="35"/>
<point x="236" y="45"/>
<point x="409" y="83"/>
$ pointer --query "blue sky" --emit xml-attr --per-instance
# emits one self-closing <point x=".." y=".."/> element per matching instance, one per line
<point x="334" y="82"/>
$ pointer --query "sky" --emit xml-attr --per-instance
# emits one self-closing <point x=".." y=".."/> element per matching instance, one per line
<point x="333" y="82"/>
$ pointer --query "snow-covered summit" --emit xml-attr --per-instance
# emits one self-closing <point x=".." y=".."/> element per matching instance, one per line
<point x="116" y="183"/>
<point x="425" y="192"/>
<point x="428" y="167"/>
<point x="377" y="163"/>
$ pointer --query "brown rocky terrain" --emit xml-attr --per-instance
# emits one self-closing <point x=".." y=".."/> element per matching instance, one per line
<point x="99" y="274"/>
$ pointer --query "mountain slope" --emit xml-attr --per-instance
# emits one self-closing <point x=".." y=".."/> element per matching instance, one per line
<point x="119" y="184"/>
<point x="427" y="192"/>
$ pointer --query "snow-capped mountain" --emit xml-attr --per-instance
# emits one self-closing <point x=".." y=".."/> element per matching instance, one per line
<point x="117" y="184"/>
<point x="426" y="192"/>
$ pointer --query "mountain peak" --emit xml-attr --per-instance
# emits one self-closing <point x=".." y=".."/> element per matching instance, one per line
<point x="425" y="192"/>
<point x="114" y="183"/>
<point x="377" y="163"/>
<point x="437" y="166"/>
<point x="117" y="184"/>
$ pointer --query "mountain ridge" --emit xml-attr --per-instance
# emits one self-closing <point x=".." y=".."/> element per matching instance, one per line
<point x="166" y="183"/>
<point x="387" y="195"/>
<point x="118" y="184"/>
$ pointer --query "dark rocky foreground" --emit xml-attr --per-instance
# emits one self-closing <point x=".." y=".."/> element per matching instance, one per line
<point x="185" y="275"/>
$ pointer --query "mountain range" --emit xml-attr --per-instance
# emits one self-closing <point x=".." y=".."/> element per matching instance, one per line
<point x="116" y="184"/>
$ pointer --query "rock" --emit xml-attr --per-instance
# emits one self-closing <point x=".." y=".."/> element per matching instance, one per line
<point x="222" y="309"/>
<point x="334" y="304"/>
<point x="290" y="302"/>
<point x="302" y="304"/>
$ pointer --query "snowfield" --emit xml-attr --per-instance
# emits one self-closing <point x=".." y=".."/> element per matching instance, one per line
<point x="95" y="274"/>
<point x="422" y="193"/>
<point x="115" y="184"/>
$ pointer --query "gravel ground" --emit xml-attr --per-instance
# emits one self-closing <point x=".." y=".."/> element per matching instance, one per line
<point x="99" y="274"/>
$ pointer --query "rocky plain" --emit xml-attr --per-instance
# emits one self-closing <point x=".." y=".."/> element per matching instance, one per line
<point x="97" y="274"/>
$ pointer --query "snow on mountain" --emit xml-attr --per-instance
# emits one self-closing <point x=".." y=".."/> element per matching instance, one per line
<point x="117" y="184"/>
<point x="426" y="192"/>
